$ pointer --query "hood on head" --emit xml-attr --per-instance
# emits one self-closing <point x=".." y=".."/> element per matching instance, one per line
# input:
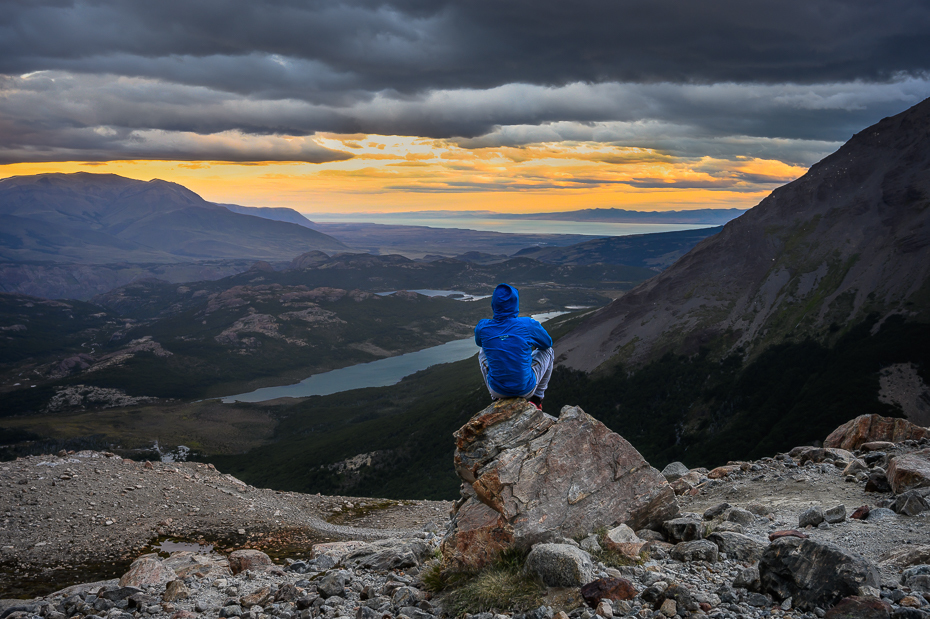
<point x="506" y="301"/>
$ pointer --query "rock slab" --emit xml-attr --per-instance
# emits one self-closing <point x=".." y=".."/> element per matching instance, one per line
<point x="870" y="428"/>
<point x="909" y="471"/>
<point x="813" y="574"/>
<point x="529" y="478"/>
<point x="147" y="570"/>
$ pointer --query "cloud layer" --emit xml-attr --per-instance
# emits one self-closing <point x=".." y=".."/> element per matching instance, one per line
<point x="241" y="80"/>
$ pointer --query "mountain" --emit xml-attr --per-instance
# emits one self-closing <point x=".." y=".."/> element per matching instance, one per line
<point x="656" y="251"/>
<point x="709" y="216"/>
<point x="269" y="212"/>
<point x="85" y="217"/>
<point x="848" y="240"/>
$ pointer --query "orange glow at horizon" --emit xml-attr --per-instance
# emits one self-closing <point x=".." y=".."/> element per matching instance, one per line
<point x="393" y="173"/>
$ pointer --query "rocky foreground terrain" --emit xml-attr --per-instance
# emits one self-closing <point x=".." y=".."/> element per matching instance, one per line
<point x="820" y="532"/>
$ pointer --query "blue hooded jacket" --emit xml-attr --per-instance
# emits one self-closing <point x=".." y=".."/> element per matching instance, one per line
<point x="508" y="342"/>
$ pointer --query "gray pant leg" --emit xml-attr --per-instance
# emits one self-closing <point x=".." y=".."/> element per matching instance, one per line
<point x="483" y="364"/>
<point x="542" y="367"/>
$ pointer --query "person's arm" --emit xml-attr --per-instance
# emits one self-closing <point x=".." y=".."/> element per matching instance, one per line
<point x="478" y="335"/>
<point x="539" y="336"/>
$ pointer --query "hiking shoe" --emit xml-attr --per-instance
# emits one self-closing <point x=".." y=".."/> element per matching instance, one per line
<point x="535" y="401"/>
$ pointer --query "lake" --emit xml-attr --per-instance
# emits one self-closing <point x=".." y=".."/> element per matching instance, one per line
<point x="380" y="373"/>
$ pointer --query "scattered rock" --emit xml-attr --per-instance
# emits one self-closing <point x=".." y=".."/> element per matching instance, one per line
<point x="910" y="503"/>
<point x="739" y="516"/>
<point x="622" y="539"/>
<point x="907" y="557"/>
<point x="674" y="470"/>
<point x="683" y="530"/>
<point x="877" y="482"/>
<point x="147" y="570"/>
<point x="697" y="550"/>
<point x="716" y="510"/>
<point x="811" y="517"/>
<point x="812" y="573"/>
<point x="917" y="578"/>
<point x="737" y="546"/>
<point x="835" y="515"/>
<point x="242" y="560"/>
<point x="880" y="513"/>
<point x="560" y="565"/>
<point x="176" y="590"/>
<point x="607" y="589"/>
<point x="748" y="578"/>
<point x="909" y="471"/>
<point x="865" y="607"/>
<point x="861" y="513"/>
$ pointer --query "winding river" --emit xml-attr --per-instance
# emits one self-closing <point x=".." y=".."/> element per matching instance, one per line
<point x="380" y="373"/>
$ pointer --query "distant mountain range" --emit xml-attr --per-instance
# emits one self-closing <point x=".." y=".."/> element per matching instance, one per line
<point x="848" y="240"/>
<point x="105" y="218"/>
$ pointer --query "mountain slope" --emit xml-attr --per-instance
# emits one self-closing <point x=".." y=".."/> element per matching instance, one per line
<point x="657" y="250"/>
<point x="270" y="212"/>
<point x="849" y="238"/>
<point x="87" y="217"/>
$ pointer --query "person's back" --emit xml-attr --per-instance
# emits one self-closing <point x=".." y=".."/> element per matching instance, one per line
<point x="516" y="353"/>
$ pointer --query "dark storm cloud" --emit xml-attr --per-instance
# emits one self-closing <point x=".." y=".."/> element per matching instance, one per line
<point x="144" y="79"/>
<point x="412" y="45"/>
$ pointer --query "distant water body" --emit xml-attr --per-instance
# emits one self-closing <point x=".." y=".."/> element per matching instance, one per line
<point x="511" y="226"/>
<point x="380" y="373"/>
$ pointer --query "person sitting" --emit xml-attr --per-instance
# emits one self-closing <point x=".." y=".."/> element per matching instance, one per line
<point x="516" y="353"/>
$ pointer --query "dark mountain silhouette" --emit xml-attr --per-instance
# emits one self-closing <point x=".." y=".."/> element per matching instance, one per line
<point x="100" y="218"/>
<point x="849" y="239"/>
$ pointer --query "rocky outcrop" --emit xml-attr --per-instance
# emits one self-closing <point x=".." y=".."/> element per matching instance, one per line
<point x="530" y="477"/>
<point x="871" y="428"/>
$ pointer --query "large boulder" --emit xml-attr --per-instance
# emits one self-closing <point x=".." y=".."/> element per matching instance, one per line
<point x="529" y="478"/>
<point x="813" y="573"/>
<point x="909" y="471"/>
<point x="870" y="428"/>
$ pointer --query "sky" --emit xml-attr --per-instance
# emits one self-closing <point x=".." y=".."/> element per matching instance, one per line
<point x="507" y="105"/>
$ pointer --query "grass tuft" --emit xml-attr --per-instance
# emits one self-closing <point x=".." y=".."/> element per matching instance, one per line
<point x="503" y="585"/>
<point x="496" y="588"/>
